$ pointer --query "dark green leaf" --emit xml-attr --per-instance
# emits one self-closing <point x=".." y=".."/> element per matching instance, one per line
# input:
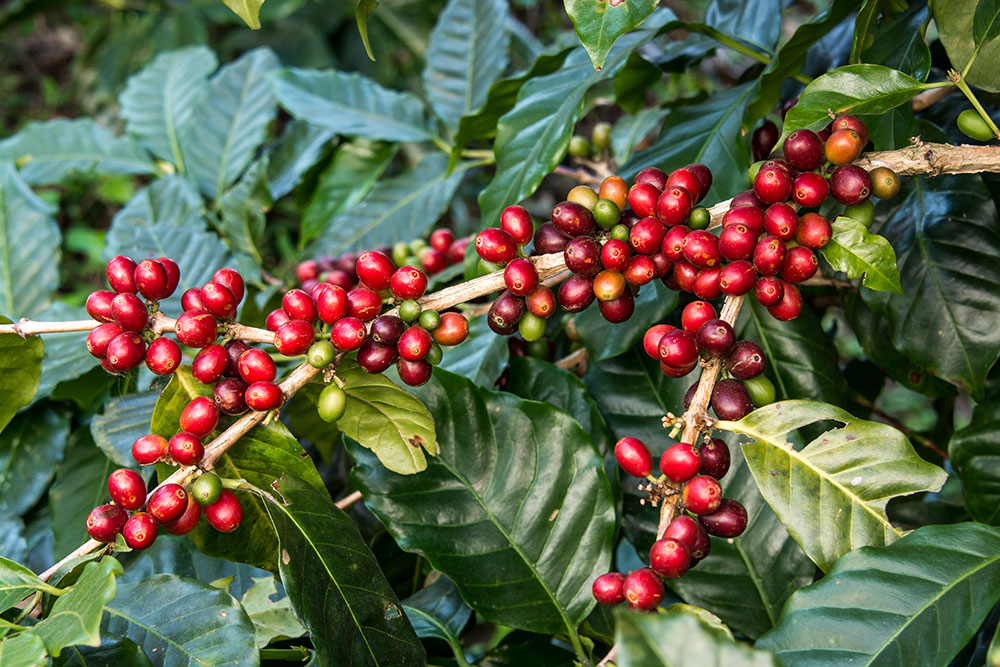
<point x="65" y="354"/>
<point x="298" y="149"/>
<point x="244" y="207"/>
<point x="12" y="541"/>
<point x="182" y="622"/>
<point x="899" y="43"/>
<point x="438" y="611"/>
<point x="20" y="371"/>
<point x="125" y="419"/>
<point x="335" y="584"/>
<point x="113" y="652"/>
<point x="893" y="129"/>
<point x="29" y="247"/>
<point x="81" y="484"/>
<point x="605" y="340"/>
<point x="352" y="104"/>
<point x="248" y="10"/>
<point x="975" y="453"/>
<point x="915" y="602"/>
<point x="860" y="254"/>
<point x="481" y="357"/>
<point x="30" y="448"/>
<point x="863" y="25"/>
<point x="831" y="495"/>
<point x="47" y="152"/>
<point x="466" y="55"/>
<point x="386" y="419"/>
<point x="599" y="24"/>
<point x="159" y="102"/>
<point x="76" y="616"/>
<point x="630" y="130"/>
<point x="986" y="21"/>
<point x="23" y="650"/>
<point x="355" y="168"/>
<point x="272" y="618"/>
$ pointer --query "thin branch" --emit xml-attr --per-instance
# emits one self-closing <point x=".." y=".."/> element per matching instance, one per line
<point x="349" y="500"/>
<point x="930" y="97"/>
<point x="935" y="159"/>
<point x="573" y="359"/>
<point x="580" y="175"/>
<point x="895" y="422"/>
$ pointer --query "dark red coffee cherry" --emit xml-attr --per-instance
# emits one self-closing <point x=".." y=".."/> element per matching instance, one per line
<point x="633" y="456"/>
<point x="672" y="245"/>
<point x="196" y="328"/>
<point x="850" y="184"/>
<point x="151" y="280"/>
<point x="814" y="231"/>
<point x="643" y="589"/>
<point x="505" y="313"/>
<point x="737" y="278"/>
<point x="651" y="339"/>
<point x="572" y="219"/>
<point x="704" y="176"/>
<point x="803" y="149"/>
<point x="680" y="462"/>
<point x="607" y="588"/>
<point x="746" y="361"/>
<point x="100" y="337"/>
<point x="764" y="139"/>
<point x="810" y="190"/>
<point x="641" y="269"/>
<point x="364" y="304"/>
<point x="199" y="416"/>
<point x="99" y="305"/>
<point x="347" y="334"/>
<point x="229" y="396"/>
<point x="210" y="363"/>
<point x="121" y="274"/>
<point x="669" y="558"/>
<point x="299" y="306"/>
<point x="234" y="350"/>
<point x="688" y="532"/>
<point x="331" y="304"/>
<point x="163" y="356"/>
<point x="218" y="299"/>
<point x="414" y="373"/>
<point x="549" y="239"/>
<point x="140" y="531"/>
<point x="106" y="521"/>
<point x="375" y="269"/>
<point x="702" y="495"/>
<point x="576" y="293"/>
<point x="715" y="338"/>
<point x="729" y="520"/>
<point x="257" y="366"/>
<point x="264" y="396"/>
<point x="674" y="205"/>
<point x="687" y="179"/>
<point x="295" y="337"/>
<point x="414" y="344"/>
<point x="715" y="459"/>
<point x="618" y="310"/>
<point x="173" y="273"/>
<point x="225" y="514"/>
<point x="768" y="291"/>
<point x="790" y="305"/>
<point x="800" y="264"/>
<point x="583" y="256"/>
<point x="126" y="351"/>
<point x="655" y="177"/>
<point x="129" y="312"/>
<point x="750" y="217"/>
<point x="540" y="303"/>
<point x="516" y="221"/>
<point x="186" y="448"/>
<point x="127" y="489"/>
<point x="232" y="279"/>
<point x="191" y="299"/>
<point x="646" y="236"/>
<point x="678" y="349"/>
<point x="615" y="255"/>
<point x="730" y="400"/>
<point x="769" y="255"/>
<point x="387" y="329"/>
<point x="149" y="449"/>
<point x="408" y="282"/>
<point x="773" y="183"/>
<point x="746" y="198"/>
<point x="186" y="522"/>
<point x="661" y="263"/>
<point x="781" y="220"/>
<point x="376" y="357"/>
<point x="696" y="314"/>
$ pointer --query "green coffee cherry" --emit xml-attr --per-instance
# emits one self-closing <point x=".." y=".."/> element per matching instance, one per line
<point x="332" y="403"/>
<point x="700" y="218"/>
<point x="400" y="252"/>
<point x="206" y="488"/>
<point x="579" y="146"/>
<point x="600" y="136"/>
<point x="974" y="126"/>
<point x="539" y="349"/>
<point x="321" y="354"/>
<point x="620" y="232"/>
<point x="416" y="245"/>
<point x="409" y="311"/>
<point x="584" y="196"/>
<point x="429" y="319"/>
<point x="435" y="355"/>
<point x="760" y="389"/>
<point x="531" y="327"/>
<point x="606" y="213"/>
<point x="863" y="212"/>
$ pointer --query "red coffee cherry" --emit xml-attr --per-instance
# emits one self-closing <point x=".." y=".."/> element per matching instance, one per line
<point x="633" y="456"/>
<point x="307" y="270"/>
<point x="199" y="417"/>
<point x="737" y="278"/>
<point x="642" y="198"/>
<point x="773" y="183"/>
<point x="768" y="291"/>
<point x="687" y="179"/>
<point x="140" y="531"/>
<point x="843" y="147"/>
<point x="790" y="305"/>
<point x="702" y="495"/>
<point x="375" y="269"/>
<point x="609" y="588"/>
<point x="163" y="356"/>
<point x="413" y="373"/>
<point x="583" y="256"/>
<point x="408" y="283"/>
<point x="516" y="221"/>
<point x="715" y="338"/>
<point x="810" y="190"/>
<point x="149" y="449"/>
<point x="105" y="522"/>
<point x="609" y="285"/>
<point x="186" y="522"/>
<point x="678" y="349"/>
<point x="737" y="242"/>
<point x="225" y="514"/>
<point x="100" y="337"/>
<point x="441" y="239"/>
<point x="672" y="245"/>
<point x="769" y="255"/>
<point x="433" y="261"/>
<point x="520" y="276"/>
<point x="764" y="139"/>
<point x="453" y="329"/>
<point x="615" y="255"/>
<point x="730" y="400"/>
<point x="127" y="489"/>
<point x="495" y="245"/>
<point x="191" y="299"/>
<point x="646" y="236"/>
<point x="129" y="312"/>
<point x="347" y="334"/>
<point x="641" y="269"/>
<point x="618" y="310"/>
<point x="151" y="280"/>
<point x="264" y="396"/>
<point x="751" y="217"/>
<point x="674" y="205"/>
<point x="746" y="198"/>
<point x="701" y="248"/>
<point x="229" y="396"/>
<point x="173" y="273"/>
<point x="167" y="503"/>
<point x="257" y="366"/>
<point x="376" y="357"/>
<point x="573" y="219"/>
<point x="196" y="328"/>
<point x="387" y="329"/>
<point x="331" y="304"/>
<point x="218" y="299"/>
<point x="669" y="558"/>
<point x="186" y="449"/>
<point x="99" y="305"/>
<point x="121" y="274"/>
<point x="695" y="314"/>
<point x="655" y="177"/>
<point x="850" y="184"/>
<point x="814" y="231"/>
<point x="715" y="459"/>
<point x="126" y="351"/>
<point x="800" y="264"/>
<point x="232" y="279"/>
<point x="729" y="520"/>
<point x="540" y="303"/>
<point x="680" y="462"/>
<point x="505" y="313"/>
<point x="234" y="350"/>
<point x="576" y="293"/>
<point x="746" y="361"/>
<point x="706" y="284"/>
<point x="651" y="339"/>
<point x="338" y="278"/>
<point x="847" y="122"/>
<point x="781" y="220"/>
<point x="643" y="589"/>
<point x="688" y="532"/>
<point x="299" y="306"/>
<point x="414" y="344"/>
<point x="549" y="239"/>
<point x="210" y="363"/>
<point x="456" y="252"/>
<point x="803" y="149"/>
<point x="295" y="337"/>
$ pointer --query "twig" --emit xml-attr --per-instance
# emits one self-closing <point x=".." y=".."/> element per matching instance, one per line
<point x="935" y="159"/>
<point x="895" y="422"/>
<point x="930" y="97"/>
<point x="573" y="359"/>
<point x="608" y="658"/>
<point x="349" y="500"/>
<point x="580" y="175"/>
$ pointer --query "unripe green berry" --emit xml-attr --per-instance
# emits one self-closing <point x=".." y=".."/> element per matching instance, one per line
<point x="700" y="218"/>
<point x="579" y="146"/>
<point x="332" y="403"/>
<point x="206" y="488"/>
<point x="409" y="311"/>
<point x="760" y="389"/>
<point x="429" y="319"/>
<point x="863" y="212"/>
<point x="973" y="126"/>
<point x="606" y="214"/>
<point x="321" y="354"/>
<point x="416" y="245"/>
<point x="531" y="327"/>
<point x="600" y="136"/>
<point x="400" y="251"/>
<point x="539" y="349"/>
<point x="584" y="196"/>
<point x="620" y="232"/>
<point x="435" y="355"/>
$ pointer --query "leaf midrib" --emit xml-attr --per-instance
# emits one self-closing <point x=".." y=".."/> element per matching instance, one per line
<point x="155" y="633"/>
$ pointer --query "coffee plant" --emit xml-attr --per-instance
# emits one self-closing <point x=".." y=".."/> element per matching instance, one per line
<point x="476" y="332"/>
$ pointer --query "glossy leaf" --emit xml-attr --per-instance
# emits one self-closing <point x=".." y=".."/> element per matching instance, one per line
<point x="860" y="254"/>
<point x="831" y="495"/>
<point x="517" y="492"/>
<point x="272" y="619"/>
<point x="351" y="104"/>
<point x="466" y="55"/>
<point x="386" y="419"/>
<point x="679" y="640"/>
<point x="46" y="152"/>
<point x="986" y="21"/>
<point x="864" y="23"/>
<point x="605" y="340"/>
<point x="244" y="208"/>
<point x="232" y="118"/>
<point x="248" y="10"/>
<point x="81" y="484"/>
<point x="854" y="89"/>
<point x="343" y="184"/>
<point x="945" y="321"/>
<point x="65" y="354"/>
<point x="30" y="448"/>
<point x="899" y="43"/>
<point x="295" y="152"/>
<point x="438" y="611"/>
<point x="159" y="102"/>
<point x="334" y="582"/>
<point x="20" y="371"/>
<point x="113" y="651"/>
<point x="23" y="650"/>
<point x="404" y="206"/>
<point x="955" y="22"/>
<point x="12" y="540"/>
<point x="76" y="616"/>
<point x="599" y="24"/>
<point x="125" y="419"/>
<point x="181" y="621"/>
<point x="29" y="247"/>
<point x="533" y="137"/>
<point x="976" y="457"/>
<point x="18" y="582"/>
<point x="481" y="357"/>
<point x="708" y="133"/>
<point x="915" y="602"/>
<point x="632" y="129"/>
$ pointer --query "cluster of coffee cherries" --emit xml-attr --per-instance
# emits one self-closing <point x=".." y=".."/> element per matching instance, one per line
<point x="124" y="337"/>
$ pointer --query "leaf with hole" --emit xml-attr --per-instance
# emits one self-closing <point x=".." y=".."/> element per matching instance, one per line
<point x="272" y="618"/>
